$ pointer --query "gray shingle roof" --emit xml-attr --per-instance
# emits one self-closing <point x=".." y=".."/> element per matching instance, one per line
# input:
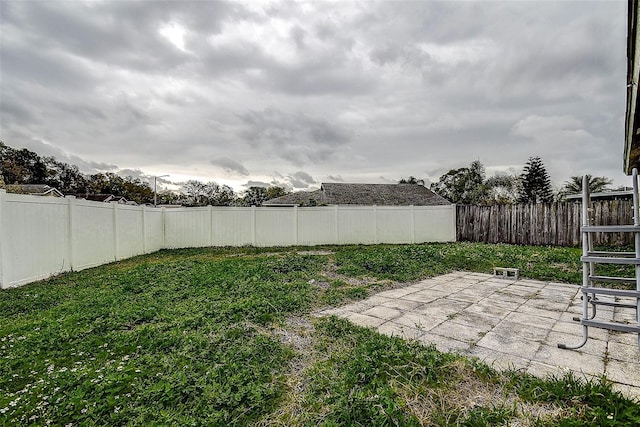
<point x="363" y="194"/>
<point x="34" y="189"/>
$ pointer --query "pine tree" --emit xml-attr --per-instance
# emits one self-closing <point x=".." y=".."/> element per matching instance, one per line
<point x="536" y="185"/>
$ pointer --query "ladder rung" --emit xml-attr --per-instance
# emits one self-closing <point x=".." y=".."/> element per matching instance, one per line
<point x="613" y="292"/>
<point x="612" y="254"/>
<point x="611" y="228"/>
<point x="610" y="260"/>
<point x="612" y="279"/>
<point x="611" y="303"/>
<point x="611" y="325"/>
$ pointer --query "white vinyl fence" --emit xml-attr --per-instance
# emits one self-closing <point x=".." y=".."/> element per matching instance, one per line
<point x="42" y="236"/>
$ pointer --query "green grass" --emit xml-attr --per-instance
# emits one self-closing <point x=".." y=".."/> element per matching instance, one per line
<point x="412" y="262"/>
<point x="225" y="336"/>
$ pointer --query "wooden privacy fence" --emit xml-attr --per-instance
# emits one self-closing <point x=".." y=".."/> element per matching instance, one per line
<point x="556" y="224"/>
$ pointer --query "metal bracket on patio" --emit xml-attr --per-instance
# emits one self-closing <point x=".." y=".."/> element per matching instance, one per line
<point x="589" y="260"/>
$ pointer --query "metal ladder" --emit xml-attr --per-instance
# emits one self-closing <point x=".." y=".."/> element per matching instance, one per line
<point x="589" y="278"/>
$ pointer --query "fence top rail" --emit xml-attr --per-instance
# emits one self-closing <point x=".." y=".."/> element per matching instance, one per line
<point x="28" y="198"/>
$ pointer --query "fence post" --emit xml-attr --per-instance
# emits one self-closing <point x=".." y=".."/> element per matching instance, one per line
<point x="336" y="226"/>
<point x="3" y="279"/>
<point x="210" y="225"/>
<point x="115" y="230"/>
<point x="454" y="222"/>
<point x="295" y="224"/>
<point x="253" y="225"/>
<point x="413" y="224"/>
<point x="71" y="204"/>
<point x="164" y="228"/>
<point x="375" y="224"/>
<point x="144" y="230"/>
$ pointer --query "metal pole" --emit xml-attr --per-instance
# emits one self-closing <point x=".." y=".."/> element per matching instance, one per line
<point x="586" y="268"/>
<point x="155" y="188"/>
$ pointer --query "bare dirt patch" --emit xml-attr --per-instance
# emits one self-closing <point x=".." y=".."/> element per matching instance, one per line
<point x="472" y="393"/>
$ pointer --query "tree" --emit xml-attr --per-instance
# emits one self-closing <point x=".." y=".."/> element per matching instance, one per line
<point x="411" y="180"/>
<point x="503" y="188"/>
<point x="275" y="191"/>
<point x="254" y="196"/>
<point x="196" y="193"/>
<point x="596" y="184"/>
<point x="22" y="166"/>
<point x="26" y="167"/>
<point x="168" y="197"/>
<point x="536" y="184"/>
<point x="464" y="185"/>
<point x="66" y="178"/>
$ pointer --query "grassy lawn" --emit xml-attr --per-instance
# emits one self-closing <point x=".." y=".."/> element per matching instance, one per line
<point x="227" y="336"/>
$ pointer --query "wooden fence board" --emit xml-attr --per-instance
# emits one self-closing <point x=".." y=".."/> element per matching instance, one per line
<point x="555" y="224"/>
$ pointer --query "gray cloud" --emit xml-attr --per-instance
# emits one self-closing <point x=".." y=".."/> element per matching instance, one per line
<point x="295" y="137"/>
<point x="230" y="165"/>
<point x="300" y="179"/>
<point x="262" y="184"/>
<point x="371" y="90"/>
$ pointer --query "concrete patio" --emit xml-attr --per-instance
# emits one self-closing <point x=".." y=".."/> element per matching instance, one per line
<point x="507" y="323"/>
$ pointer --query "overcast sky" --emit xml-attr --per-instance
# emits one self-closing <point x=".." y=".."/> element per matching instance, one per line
<point x="299" y="93"/>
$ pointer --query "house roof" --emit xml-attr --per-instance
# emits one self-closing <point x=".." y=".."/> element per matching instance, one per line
<point x="632" y="119"/>
<point x="34" y="190"/>
<point x="106" y="198"/>
<point x="605" y="195"/>
<point x="362" y="194"/>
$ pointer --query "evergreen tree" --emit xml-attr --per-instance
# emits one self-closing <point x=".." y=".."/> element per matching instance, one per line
<point x="536" y="184"/>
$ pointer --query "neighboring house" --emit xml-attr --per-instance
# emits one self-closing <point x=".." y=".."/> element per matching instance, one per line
<point x="362" y="194"/>
<point x="168" y="206"/>
<point x="34" y="190"/>
<point x="605" y="195"/>
<point x="105" y="198"/>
